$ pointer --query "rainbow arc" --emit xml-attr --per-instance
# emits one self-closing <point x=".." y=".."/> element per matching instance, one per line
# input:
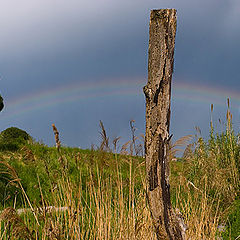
<point x="79" y="92"/>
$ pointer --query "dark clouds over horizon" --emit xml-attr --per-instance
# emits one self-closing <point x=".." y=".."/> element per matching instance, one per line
<point x="49" y="44"/>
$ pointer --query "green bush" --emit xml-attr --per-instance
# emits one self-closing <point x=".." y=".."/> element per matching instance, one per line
<point x="233" y="224"/>
<point x="12" y="138"/>
<point x="14" y="133"/>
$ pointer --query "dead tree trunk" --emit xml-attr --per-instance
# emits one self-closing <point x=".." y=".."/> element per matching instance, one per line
<point x="162" y="32"/>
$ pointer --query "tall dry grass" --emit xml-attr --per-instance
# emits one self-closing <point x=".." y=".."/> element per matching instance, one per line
<point x="97" y="207"/>
<point x="112" y="208"/>
<point x="210" y="182"/>
<point x="114" y="205"/>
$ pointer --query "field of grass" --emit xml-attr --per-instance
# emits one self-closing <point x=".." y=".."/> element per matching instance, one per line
<point x="69" y="193"/>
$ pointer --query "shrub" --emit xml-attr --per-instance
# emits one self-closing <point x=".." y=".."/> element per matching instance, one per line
<point x="233" y="224"/>
<point x="12" y="138"/>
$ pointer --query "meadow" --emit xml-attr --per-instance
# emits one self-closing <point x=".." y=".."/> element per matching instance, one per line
<point x="70" y="193"/>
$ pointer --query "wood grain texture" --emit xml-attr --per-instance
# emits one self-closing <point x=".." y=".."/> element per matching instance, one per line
<point x="162" y="31"/>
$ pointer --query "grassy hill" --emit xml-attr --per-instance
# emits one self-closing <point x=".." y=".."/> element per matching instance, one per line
<point x="69" y="193"/>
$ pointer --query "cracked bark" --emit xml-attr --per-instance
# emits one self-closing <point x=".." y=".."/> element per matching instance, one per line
<point x="162" y="30"/>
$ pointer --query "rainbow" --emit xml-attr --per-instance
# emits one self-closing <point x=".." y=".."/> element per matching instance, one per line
<point x="75" y="92"/>
<point x="206" y="94"/>
<point x="79" y="92"/>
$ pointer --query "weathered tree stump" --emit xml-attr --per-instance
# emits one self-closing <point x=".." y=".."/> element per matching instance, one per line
<point x="162" y="32"/>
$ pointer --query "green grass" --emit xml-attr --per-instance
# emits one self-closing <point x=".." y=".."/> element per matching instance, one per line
<point x="104" y="193"/>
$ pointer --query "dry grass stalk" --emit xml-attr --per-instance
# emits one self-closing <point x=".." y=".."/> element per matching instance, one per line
<point x="15" y="178"/>
<point x="53" y="231"/>
<point x="62" y="161"/>
<point x="104" y="146"/>
<point x="133" y="129"/>
<point x="15" y="224"/>
<point x="124" y="148"/>
<point x="201" y="216"/>
<point x="28" y="155"/>
<point x="174" y="148"/>
<point x="56" y="133"/>
<point x="115" y="141"/>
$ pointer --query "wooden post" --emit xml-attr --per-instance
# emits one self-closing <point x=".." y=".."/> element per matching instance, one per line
<point x="162" y="32"/>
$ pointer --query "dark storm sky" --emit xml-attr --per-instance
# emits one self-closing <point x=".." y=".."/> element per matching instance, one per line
<point x="74" y="63"/>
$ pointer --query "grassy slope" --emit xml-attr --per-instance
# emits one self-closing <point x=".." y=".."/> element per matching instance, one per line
<point x="105" y="193"/>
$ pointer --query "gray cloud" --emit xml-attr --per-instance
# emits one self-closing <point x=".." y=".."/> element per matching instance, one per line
<point x="52" y="43"/>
